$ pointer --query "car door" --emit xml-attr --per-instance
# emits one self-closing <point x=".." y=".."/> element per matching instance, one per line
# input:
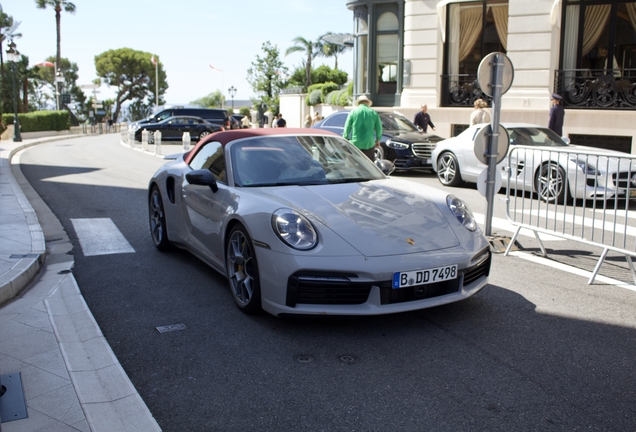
<point x="206" y="211"/>
<point x="335" y="123"/>
<point x="170" y="129"/>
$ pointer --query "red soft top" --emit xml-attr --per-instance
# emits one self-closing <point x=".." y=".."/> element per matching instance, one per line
<point x="225" y="137"/>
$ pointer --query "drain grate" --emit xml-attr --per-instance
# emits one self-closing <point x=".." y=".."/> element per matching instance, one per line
<point x="12" y="404"/>
<point x="20" y="256"/>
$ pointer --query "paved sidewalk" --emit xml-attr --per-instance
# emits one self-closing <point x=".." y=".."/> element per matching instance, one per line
<point x="70" y="377"/>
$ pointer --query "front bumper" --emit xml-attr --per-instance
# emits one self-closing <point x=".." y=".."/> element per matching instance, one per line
<point x="362" y="286"/>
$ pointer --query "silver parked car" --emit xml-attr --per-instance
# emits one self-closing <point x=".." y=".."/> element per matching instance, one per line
<point x="302" y="222"/>
<point x="540" y="161"/>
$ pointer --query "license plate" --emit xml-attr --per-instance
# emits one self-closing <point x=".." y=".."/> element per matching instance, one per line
<point x="423" y="277"/>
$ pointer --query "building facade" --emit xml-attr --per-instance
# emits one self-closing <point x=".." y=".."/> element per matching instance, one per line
<point x="409" y="52"/>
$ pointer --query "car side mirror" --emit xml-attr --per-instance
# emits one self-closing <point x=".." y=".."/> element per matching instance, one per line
<point x="566" y="140"/>
<point x="386" y="166"/>
<point x="202" y="177"/>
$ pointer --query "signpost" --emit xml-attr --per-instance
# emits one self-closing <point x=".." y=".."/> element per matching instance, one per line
<point x="495" y="76"/>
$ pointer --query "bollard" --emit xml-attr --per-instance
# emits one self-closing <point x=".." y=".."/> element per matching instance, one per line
<point x="131" y="137"/>
<point x="144" y="140"/>
<point x="186" y="141"/>
<point x="158" y="142"/>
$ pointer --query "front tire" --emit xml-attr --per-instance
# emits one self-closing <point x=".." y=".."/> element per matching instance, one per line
<point x="151" y="137"/>
<point x="242" y="271"/>
<point x="448" y="172"/>
<point x="550" y="183"/>
<point x="203" y="134"/>
<point x="157" y="219"/>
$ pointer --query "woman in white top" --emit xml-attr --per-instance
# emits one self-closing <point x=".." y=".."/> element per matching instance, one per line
<point x="479" y="115"/>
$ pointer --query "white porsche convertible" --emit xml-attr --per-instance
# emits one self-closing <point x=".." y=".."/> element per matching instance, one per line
<point x="301" y="222"/>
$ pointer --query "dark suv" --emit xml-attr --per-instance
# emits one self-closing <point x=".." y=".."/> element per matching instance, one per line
<point x="402" y="142"/>
<point x="213" y="115"/>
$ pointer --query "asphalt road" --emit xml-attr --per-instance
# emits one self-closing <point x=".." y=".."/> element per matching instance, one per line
<point x="537" y="349"/>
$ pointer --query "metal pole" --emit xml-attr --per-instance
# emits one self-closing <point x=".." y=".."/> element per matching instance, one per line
<point x="16" y="121"/>
<point x="57" y="92"/>
<point x="157" y="83"/>
<point x="496" y="79"/>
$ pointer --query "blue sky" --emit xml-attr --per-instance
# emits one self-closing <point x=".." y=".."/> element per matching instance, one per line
<point x="186" y="35"/>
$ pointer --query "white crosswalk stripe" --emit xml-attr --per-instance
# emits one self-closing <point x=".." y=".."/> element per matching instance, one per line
<point x="100" y="237"/>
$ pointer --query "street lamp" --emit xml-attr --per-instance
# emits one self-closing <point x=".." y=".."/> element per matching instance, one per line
<point x="232" y="92"/>
<point x="58" y="79"/>
<point x="14" y="56"/>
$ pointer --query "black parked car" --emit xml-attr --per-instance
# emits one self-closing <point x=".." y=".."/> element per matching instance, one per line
<point x="402" y="142"/>
<point x="172" y="128"/>
<point x="213" y="115"/>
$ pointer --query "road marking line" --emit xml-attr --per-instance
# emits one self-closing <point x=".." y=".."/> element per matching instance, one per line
<point x="100" y="237"/>
<point x="504" y="224"/>
<point x="573" y="270"/>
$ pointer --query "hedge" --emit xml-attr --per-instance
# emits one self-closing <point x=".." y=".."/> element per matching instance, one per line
<point x="41" y="121"/>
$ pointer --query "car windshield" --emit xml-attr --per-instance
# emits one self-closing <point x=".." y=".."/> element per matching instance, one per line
<point x="299" y="160"/>
<point x="396" y="122"/>
<point x="535" y="137"/>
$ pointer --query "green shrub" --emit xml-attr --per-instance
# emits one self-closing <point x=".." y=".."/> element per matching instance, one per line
<point x="327" y="88"/>
<point x="245" y="111"/>
<point x="41" y="121"/>
<point x="332" y="98"/>
<point x="314" y="97"/>
<point x="342" y="98"/>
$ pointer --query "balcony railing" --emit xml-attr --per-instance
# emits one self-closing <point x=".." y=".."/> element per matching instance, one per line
<point x="461" y="91"/>
<point x="597" y="89"/>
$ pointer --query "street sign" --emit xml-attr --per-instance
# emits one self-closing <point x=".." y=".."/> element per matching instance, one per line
<point x="89" y="86"/>
<point x="484" y="73"/>
<point x="98" y="106"/>
<point x="65" y="98"/>
<point x="481" y="144"/>
<point x="100" y="112"/>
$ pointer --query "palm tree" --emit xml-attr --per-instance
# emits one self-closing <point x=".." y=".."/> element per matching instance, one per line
<point x="7" y="32"/>
<point x="311" y="49"/>
<point x="58" y="5"/>
<point x="333" y="50"/>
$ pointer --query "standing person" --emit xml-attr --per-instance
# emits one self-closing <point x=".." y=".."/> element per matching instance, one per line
<point x="422" y="119"/>
<point x="281" y="121"/>
<point x="245" y="122"/>
<point x="557" y="113"/>
<point x="317" y="117"/>
<point x="479" y="115"/>
<point x="364" y="127"/>
<point x="308" y="122"/>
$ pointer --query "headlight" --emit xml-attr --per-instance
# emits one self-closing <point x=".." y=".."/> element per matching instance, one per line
<point x="294" y="229"/>
<point x="585" y="167"/>
<point x="396" y="145"/>
<point x="461" y="212"/>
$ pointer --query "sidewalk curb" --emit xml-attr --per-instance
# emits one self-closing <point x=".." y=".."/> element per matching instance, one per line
<point x="107" y="397"/>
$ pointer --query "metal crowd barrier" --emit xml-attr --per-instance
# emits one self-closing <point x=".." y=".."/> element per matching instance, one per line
<point x="575" y="195"/>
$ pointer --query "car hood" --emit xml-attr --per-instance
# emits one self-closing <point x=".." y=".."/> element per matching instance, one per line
<point x="386" y="217"/>
<point x="411" y="137"/>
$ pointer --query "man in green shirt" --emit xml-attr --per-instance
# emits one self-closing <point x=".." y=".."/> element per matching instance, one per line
<point x="363" y="127"/>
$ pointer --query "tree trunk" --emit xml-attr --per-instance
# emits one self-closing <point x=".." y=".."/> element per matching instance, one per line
<point x="308" y="72"/>
<point x="58" y="17"/>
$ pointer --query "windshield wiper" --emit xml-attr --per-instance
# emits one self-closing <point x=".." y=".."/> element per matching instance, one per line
<point x="350" y="180"/>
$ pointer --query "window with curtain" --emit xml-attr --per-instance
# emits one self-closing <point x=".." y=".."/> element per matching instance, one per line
<point x="474" y="29"/>
<point x="599" y="38"/>
<point x="362" y="36"/>
<point x="387" y="53"/>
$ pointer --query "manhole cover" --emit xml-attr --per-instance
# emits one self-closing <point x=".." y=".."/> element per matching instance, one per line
<point x="347" y="359"/>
